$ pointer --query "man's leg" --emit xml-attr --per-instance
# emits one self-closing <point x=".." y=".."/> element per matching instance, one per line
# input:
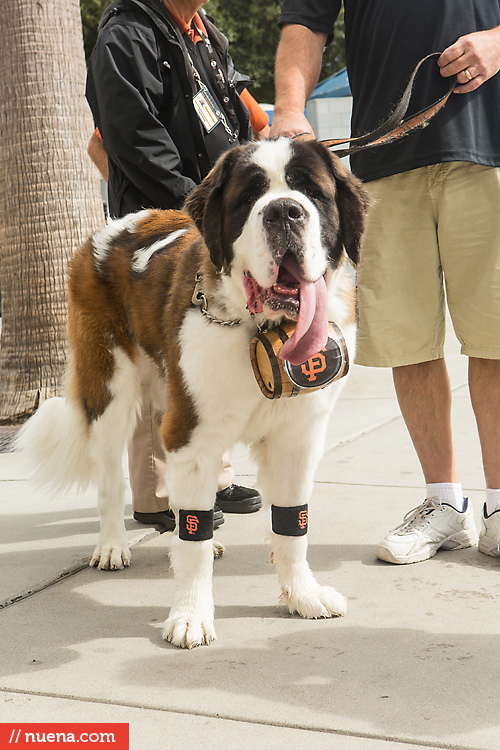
<point x="424" y="396"/>
<point x="401" y="302"/>
<point x="444" y="519"/>
<point x="469" y="235"/>
<point x="146" y="461"/>
<point x="484" y="387"/>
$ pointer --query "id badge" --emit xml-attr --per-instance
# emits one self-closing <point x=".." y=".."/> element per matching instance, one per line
<point x="205" y="109"/>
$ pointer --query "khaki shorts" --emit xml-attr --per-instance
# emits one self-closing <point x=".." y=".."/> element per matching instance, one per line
<point x="433" y="232"/>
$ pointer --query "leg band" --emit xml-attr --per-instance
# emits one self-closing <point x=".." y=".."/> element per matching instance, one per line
<point x="289" y="521"/>
<point x="196" y="525"/>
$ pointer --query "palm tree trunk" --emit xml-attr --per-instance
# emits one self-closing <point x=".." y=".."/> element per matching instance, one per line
<point x="49" y="193"/>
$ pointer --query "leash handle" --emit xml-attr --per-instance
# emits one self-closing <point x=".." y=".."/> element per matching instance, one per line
<point x="395" y="127"/>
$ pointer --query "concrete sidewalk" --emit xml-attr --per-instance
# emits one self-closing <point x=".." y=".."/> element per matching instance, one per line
<point x="415" y="661"/>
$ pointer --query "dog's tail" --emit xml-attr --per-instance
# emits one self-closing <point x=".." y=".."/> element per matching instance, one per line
<point x="55" y="442"/>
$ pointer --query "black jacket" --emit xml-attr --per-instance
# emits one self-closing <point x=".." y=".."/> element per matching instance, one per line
<point x="140" y="87"/>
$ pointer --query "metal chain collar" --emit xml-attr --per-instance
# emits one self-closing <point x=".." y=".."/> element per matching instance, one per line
<point x="201" y="301"/>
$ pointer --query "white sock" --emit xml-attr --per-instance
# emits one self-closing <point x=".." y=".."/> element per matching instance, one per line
<point x="492" y="500"/>
<point x="448" y="492"/>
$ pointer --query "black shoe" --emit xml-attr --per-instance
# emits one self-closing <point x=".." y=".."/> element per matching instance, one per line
<point x="166" y="519"/>
<point x="236" y="499"/>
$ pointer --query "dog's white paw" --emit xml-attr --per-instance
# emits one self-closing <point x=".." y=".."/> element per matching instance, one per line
<point x="219" y="549"/>
<point x="317" y="602"/>
<point x="110" y="557"/>
<point x="189" y="629"/>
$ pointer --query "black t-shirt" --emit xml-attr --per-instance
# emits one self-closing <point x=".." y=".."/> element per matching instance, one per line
<point x="384" y="41"/>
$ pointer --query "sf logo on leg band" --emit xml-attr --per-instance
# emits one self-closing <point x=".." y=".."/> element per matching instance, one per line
<point x="196" y="525"/>
<point x="289" y="521"/>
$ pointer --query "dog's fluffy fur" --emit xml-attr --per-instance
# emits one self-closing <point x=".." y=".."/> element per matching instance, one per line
<point x="136" y="336"/>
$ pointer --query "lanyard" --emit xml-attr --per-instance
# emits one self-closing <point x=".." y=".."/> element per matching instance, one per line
<point x="213" y="63"/>
<point x="210" y="102"/>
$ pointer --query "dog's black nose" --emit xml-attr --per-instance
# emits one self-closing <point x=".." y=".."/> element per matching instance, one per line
<point x="284" y="211"/>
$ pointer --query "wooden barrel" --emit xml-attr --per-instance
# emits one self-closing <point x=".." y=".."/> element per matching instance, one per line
<point x="277" y="378"/>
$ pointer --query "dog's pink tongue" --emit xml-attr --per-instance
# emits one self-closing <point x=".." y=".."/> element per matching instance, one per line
<point x="311" y="331"/>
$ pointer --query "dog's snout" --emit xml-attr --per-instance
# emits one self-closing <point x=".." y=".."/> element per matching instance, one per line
<point x="284" y="211"/>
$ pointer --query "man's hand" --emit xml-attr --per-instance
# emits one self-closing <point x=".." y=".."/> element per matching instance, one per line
<point x="473" y="58"/>
<point x="289" y="124"/>
<point x="261" y="135"/>
<point x="298" y="64"/>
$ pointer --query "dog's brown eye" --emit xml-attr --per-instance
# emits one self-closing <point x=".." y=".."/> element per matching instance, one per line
<point x="247" y="198"/>
<point x="301" y="181"/>
<point x="314" y="192"/>
<point x="253" y="189"/>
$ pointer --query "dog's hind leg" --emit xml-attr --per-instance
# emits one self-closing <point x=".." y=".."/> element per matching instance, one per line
<point x="109" y="435"/>
<point x="286" y="475"/>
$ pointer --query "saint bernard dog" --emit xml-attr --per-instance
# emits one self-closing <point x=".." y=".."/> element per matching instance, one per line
<point x="263" y="239"/>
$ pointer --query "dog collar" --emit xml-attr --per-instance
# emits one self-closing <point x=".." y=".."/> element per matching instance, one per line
<point x="201" y="301"/>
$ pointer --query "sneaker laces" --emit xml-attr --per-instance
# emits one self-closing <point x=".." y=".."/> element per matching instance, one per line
<point x="418" y="516"/>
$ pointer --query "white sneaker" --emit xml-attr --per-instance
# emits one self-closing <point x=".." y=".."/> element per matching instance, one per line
<point x="427" y="528"/>
<point x="489" y="538"/>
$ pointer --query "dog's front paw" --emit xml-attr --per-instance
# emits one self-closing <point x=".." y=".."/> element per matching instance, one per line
<point x="110" y="557"/>
<point x="189" y="629"/>
<point x="319" y="601"/>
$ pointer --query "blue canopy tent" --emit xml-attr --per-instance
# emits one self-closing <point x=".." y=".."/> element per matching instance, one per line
<point x="335" y="85"/>
<point x="329" y="107"/>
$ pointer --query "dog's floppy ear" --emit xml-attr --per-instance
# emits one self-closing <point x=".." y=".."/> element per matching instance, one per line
<point x="353" y="202"/>
<point x="204" y="205"/>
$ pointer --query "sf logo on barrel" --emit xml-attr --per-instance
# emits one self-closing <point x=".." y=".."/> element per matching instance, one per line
<point x="314" y="366"/>
<point x="318" y="370"/>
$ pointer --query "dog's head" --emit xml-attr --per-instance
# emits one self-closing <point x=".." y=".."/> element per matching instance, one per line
<point x="275" y="216"/>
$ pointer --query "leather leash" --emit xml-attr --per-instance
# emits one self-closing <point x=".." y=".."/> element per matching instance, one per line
<point x="395" y="127"/>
